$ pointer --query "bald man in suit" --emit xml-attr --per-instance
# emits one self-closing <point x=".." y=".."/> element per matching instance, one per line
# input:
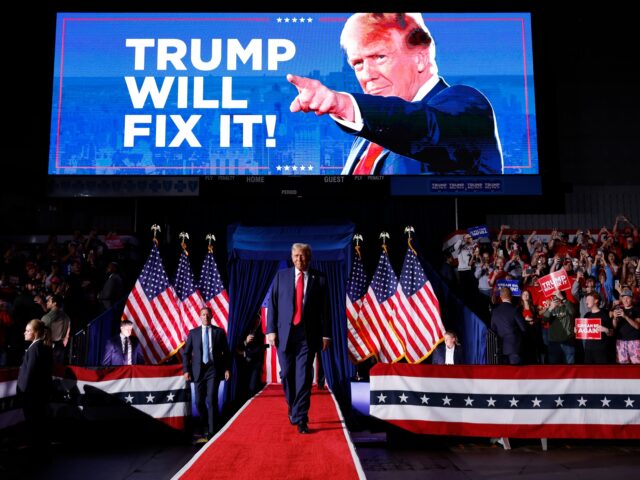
<point x="298" y="326"/>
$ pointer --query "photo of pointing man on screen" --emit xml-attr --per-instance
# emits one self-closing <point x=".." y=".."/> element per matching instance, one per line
<point x="408" y="120"/>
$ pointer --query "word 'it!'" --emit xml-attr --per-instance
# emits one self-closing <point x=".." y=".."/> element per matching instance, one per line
<point x="140" y="126"/>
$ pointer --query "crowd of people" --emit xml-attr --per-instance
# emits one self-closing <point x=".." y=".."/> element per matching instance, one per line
<point x="66" y="284"/>
<point x="603" y="269"/>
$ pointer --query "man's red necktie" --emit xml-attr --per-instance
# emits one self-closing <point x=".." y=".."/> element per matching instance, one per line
<point x="297" y="315"/>
<point x="365" y="165"/>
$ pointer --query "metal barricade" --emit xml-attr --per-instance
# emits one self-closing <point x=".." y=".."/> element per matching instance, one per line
<point x="493" y="348"/>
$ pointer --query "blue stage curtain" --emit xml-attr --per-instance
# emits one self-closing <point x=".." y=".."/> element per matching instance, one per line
<point x="99" y="331"/>
<point x="338" y="369"/>
<point x="249" y="282"/>
<point x="255" y="252"/>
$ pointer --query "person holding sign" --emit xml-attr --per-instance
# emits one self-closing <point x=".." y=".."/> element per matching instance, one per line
<point x="561" y="317"/>
<point x="597" y="350"/>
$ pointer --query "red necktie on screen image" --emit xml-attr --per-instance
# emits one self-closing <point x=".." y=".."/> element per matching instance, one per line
<point x="365" y="165"/>
<point x="297" y="315"/>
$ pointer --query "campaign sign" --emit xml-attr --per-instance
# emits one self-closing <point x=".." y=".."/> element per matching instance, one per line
<point x="588" y="329"/>
<point x="481" y="231"/>
<point x="513" y="285"/>
<point x="558" y="280"/>
<point x="114" y="242"/>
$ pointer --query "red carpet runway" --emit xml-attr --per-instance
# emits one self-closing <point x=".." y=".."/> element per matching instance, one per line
<point x="259" y="442"/>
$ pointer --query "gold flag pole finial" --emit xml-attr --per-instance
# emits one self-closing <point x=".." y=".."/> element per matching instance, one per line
<point x="384" y="236"/>
<point x="358" y="238"/>
<point x="155" y="228"/>
<point x="210" y="237"/>
<point x="184" y="236"/>
<point x="408" y="230"/>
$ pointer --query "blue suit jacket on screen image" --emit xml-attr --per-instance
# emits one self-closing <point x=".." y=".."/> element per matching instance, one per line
<point x="451" y="131"/>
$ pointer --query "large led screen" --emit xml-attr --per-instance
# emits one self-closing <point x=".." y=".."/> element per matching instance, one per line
<point x="234" y="93"/>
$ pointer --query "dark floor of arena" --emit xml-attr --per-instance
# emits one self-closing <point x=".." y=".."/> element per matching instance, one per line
<point x="119" y="451"/>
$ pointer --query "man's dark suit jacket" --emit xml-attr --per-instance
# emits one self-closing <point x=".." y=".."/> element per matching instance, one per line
<point x="34" y="376"/>
<point x="315" y="317"/>
<point x="450" y="131"/>
<point x="438" y="356"/>
<point x="509" y="325"/>
<point x="113" y="355"/>
<point x="192" y="354"/>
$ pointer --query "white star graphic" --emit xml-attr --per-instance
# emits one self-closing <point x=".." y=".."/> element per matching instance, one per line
<point x="468" y="401"/>
<point x="294" y="20"/>
<point x="309" y="20"/>
<point x="559" y="402"/>
<point x="513" y="402"/>
<point x="286" y="20"/>
<point x="403" y="398"/>
<point x="381" y="398"/>
<point x="582" y="402"/>
<point x="286" y="167"/>
<point x="446" y="400"/>
<point x="491" y="402"/>
<point x="605" y="402"/>
<point x="628" y="402"/>
<point x="302" y="167"/>
<point x="425" y="399"/>
<point x="170" y="397"/>
<point x="279" y="167"/>
<point x="310" y="167"/>
<point x="129" y="398"/>
<point x="294" y="168"/>
<point x="279" y="20"/>
<point x="301" y="20"/>
<point x="536" y="402"/>
<point x="150" y="398"/>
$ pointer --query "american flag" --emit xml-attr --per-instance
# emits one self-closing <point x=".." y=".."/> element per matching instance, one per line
<point x="189" y="298"/>
<point x="356" y="290"/>
<point x="537" y="401"/>
<point x="417" y="319"/>
<point x="377" y="313"/>
<point x="213" y="293"/>
<point x="152" y="306"/>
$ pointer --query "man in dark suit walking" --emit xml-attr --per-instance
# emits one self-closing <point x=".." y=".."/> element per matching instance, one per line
<point x="298" y="326"/>
<point x="206" y="362"/>
<point x="509" y="326"/>
<point x="123" y="349"/>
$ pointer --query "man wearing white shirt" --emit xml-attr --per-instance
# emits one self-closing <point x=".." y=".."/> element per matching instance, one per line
<point x="408" y="121"/>
<point x="449" y="352"/>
